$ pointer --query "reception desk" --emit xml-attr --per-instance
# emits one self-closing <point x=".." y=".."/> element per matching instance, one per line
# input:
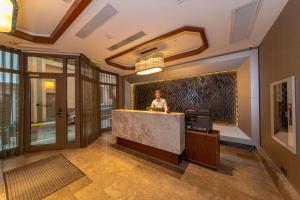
<point x="157" y="134"/>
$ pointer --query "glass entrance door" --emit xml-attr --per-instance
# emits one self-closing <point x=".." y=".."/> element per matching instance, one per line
<point x="47" y="113"/>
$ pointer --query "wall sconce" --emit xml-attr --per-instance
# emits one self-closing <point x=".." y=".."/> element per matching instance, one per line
<point x="49" y="85"/>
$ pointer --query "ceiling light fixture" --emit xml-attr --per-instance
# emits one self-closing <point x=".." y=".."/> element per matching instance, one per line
<point x="8" y="15"/>
<point x="150" y="64"/>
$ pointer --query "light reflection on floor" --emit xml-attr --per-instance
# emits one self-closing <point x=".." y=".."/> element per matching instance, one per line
<point x="45" y="133"/>
<point x="118" y="173"/>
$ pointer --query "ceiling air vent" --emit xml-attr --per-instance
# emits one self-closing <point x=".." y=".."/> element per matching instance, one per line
<point x="149" y="50"/>
<point x="98" y="20"/>
<point x="243" y="20"/>
<point x="127" y="41"/>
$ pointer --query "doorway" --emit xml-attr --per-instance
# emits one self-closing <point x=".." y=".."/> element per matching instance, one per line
<point x="51" y="102"/>
<point x="47" y="113"/>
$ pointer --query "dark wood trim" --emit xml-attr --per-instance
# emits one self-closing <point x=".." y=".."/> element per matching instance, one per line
<point x="89" y="79"/>
<point x="31" y="38"/>
<point x="110" y="84"/>
<point x="74" y="11"/>
<point x="63" y="77"/>
<point x="199" y="50"/>
<point x="117" y="92"/>
<point x="22" y="110"/>
<point x="203" y="148"/>
<point x="50" y="55"/>
<point x="60" y="139"/>
<point x="82" y="143"/>
<point x="5" y="48"/>
<point x="151" y="151"/>
<point x="122" y="93"/>
<point x="78" y="102"/>
<point x="10" y="70"/>
<point x="105" y="130"/>
<point x="27" y="113"/>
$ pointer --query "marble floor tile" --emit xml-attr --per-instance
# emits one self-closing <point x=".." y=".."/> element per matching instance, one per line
<point x="116" y="173"/>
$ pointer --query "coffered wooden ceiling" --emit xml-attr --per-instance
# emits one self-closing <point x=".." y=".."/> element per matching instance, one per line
<point x="177" y="44"/>
<point x="55" y="24"/>
<point x="64" y="11"/>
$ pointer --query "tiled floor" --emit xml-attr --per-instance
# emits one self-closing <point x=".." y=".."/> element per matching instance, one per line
<point x="118" y="173"/>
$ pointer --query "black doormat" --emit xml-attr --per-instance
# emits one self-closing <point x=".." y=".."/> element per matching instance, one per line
<point x="41" y="178"/>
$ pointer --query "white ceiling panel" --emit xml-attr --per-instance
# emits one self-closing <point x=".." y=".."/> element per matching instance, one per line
<point x="153" y="17"/>
<point x="40" y="17"/>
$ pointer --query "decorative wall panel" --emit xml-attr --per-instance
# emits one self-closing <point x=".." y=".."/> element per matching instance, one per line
<point x="90" y="100"/>
<point x="217" y="91"/>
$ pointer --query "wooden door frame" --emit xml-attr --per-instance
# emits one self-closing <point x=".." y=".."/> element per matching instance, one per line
<point x="63" y="76"/>
<point x="60" y="139"/>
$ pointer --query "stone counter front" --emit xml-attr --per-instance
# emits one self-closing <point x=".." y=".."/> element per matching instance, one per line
<point x="155" y="129"/>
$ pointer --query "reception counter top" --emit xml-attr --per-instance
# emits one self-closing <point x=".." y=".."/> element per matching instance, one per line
<point x="149" y="112"/>
<point x="159" y="130"/>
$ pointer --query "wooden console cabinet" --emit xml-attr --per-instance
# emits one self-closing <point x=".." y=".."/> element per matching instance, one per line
<point x="203" y="148"/>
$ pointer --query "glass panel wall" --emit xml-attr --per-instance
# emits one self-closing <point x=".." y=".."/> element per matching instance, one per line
<point x="71" y="100"/>
<point x="71" y="66"/>
<point x="71" y="109"/>
<point x="43" y="111"/>
<point x="108" y="96"/>
<point x="45" y="65"/>
<point x="10" y="101"/>
<point x="9" y="106"/>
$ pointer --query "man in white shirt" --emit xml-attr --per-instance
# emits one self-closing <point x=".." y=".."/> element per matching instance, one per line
<point x="159" y="102"/>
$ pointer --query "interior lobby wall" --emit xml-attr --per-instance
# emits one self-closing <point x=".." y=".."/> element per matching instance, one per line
<point x="244" y="97"/>
<point x="279" y="58"/>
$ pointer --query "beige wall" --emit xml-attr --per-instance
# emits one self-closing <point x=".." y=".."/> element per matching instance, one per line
<point x="280" y="58"/>
<point x="244" y="97"/>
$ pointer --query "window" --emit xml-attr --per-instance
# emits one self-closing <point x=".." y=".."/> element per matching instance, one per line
<point x="108" y="94"/>
<point x="47" y="65"/>
<point x="10" y="118"/>
<point x="71" y="109"/>
<point x="71" y="66"/>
